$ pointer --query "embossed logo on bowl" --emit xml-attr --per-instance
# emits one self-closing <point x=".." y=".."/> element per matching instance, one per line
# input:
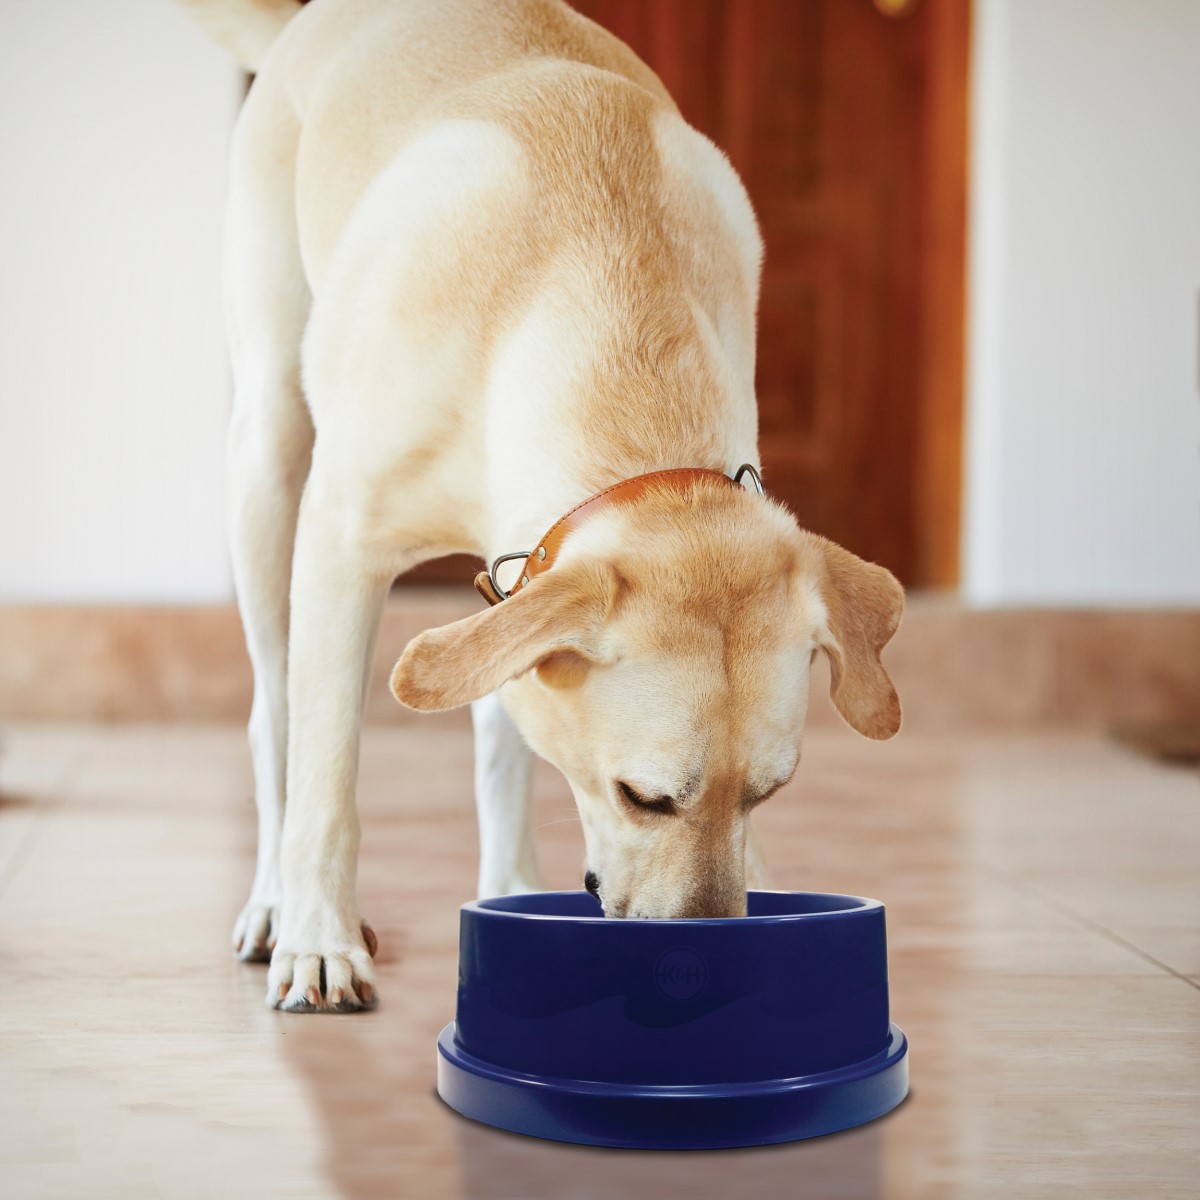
<point x="681" y="973"/>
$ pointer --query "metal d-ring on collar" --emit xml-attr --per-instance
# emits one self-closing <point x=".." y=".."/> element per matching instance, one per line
<point x="755" y="478"/>
<point x="523" y="555"/>
<point x="746" y="469"/>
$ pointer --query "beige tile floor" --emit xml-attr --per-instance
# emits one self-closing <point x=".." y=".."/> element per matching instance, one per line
<point x="1044" y="911"/>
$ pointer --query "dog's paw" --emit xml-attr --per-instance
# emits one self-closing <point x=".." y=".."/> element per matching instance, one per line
<point x="254" y="931"/>
<point x="336" y="977"/>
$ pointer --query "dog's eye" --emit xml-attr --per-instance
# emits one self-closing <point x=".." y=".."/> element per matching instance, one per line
<point x="655" y="804"/>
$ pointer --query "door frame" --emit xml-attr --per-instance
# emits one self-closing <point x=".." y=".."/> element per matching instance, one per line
<point x="939" y="481"/>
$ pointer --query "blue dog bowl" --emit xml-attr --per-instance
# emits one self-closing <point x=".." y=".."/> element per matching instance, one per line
<point x="690" y="1034"/>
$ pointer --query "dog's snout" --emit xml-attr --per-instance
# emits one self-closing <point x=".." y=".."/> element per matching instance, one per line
<point x="592" y="884"/>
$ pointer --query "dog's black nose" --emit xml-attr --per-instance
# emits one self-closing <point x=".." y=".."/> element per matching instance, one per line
<point x="592" y="884"/>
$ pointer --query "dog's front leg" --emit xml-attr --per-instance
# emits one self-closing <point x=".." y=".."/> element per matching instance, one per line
<point x="322" y="957"/>
<point x="507" y="859"/>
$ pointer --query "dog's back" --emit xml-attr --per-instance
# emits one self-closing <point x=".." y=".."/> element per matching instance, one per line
<point x="488" y="188"/>
<point x="513" y="249"/>
<point x="367" y="77"/>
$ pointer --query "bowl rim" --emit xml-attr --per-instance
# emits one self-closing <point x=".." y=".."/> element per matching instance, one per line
<point x="855" y="909"/>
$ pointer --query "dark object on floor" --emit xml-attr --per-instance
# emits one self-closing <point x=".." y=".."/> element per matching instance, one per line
<point x="1173" y="743"/>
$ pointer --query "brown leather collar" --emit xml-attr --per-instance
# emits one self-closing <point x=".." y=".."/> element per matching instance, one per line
<point x="542" y="557"/>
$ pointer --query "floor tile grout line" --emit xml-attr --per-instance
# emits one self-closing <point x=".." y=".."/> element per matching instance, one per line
<point x="1088" y="923"/>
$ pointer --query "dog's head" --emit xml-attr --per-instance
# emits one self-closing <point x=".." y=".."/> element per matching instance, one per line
<point x="663" y="666"/>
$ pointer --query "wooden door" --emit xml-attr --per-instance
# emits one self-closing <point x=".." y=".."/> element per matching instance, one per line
<point x="847" y="121"/>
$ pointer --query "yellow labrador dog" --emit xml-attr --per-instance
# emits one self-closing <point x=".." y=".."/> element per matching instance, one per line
<point x="479" y="270"/>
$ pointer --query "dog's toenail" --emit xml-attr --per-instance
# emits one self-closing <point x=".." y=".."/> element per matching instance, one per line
<point x="365" y="991"/>
<point x="284" y="988"/>
<point x="336" y="996"/>
<point x="313" y="997"/>
<point x="371" y="940"/>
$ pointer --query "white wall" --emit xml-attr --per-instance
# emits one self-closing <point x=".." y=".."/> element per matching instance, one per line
<point x="1083" y="449"/>
<point x="114" y="388"/>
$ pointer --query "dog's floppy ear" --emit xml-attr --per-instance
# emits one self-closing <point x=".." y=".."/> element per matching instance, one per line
<point x="444" y="668"/>
<point x="863" y="603"/>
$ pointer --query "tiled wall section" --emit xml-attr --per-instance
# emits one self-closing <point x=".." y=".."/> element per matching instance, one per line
<point x="955" y="668"/>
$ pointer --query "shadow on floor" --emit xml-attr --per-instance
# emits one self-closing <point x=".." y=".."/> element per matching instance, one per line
<point x="500" y="1166"/>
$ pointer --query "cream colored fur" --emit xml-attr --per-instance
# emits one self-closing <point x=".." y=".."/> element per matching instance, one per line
<point x="478" y="268"/>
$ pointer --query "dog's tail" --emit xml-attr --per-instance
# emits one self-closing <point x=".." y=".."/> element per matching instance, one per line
<point x="246" y="28"/>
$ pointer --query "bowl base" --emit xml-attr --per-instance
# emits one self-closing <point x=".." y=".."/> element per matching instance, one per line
<point x="708" y="1117"/>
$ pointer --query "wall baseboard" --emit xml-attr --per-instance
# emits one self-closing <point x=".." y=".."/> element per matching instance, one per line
<point x="957" y="669"/>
